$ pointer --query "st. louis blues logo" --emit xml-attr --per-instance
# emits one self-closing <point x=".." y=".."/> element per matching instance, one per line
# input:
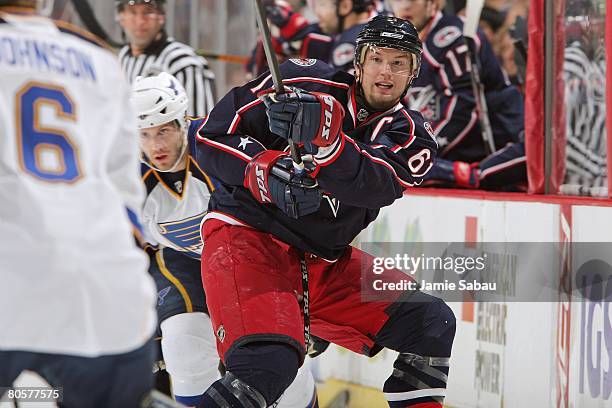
<point x="161" y="295"/>
<point x="185" y="234"/>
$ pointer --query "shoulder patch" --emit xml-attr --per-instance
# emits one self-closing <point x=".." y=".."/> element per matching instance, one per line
<point x="429" y="130"/>
<point x="446" y="36"/>
<point x="303" y="62"/>
<point x="343" y="54"/>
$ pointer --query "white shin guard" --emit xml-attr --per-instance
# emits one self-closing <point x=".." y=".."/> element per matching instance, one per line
<point x="190" y="353"/>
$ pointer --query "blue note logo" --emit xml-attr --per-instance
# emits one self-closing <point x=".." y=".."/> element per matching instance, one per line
<point x="161" y="295"/>
<point x="184" y="234"/>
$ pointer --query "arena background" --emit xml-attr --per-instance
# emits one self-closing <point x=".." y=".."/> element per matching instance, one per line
<point x="507" y="354"/>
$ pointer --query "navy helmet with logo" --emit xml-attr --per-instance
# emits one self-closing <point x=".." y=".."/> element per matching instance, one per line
<point x="390" y="32"/>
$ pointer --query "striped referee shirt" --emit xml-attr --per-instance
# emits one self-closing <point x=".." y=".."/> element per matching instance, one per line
<point x="180" y="60"/>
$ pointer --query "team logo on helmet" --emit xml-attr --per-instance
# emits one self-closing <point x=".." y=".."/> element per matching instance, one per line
<point x="303" y="62"/>
<point x="392" y="35"/>
<point x="446" y="36"/>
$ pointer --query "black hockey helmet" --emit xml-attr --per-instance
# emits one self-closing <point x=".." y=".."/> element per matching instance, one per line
<point x="158" y="4"/>
<point x="390" y="32"/>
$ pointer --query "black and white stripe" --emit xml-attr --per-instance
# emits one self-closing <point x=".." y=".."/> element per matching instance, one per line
<point x="180" y="60"/>
<point x="585" y="111"/>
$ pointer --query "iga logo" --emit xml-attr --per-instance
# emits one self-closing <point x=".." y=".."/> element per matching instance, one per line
<point x="594" y="280"/>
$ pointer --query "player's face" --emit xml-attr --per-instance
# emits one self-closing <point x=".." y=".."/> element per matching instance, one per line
<point x="141" y="23"/>
<point x="417" y="11"/>
<point x="162" y="145"/>
<point x="385" y="72"/>
<point x="325" y="10"/>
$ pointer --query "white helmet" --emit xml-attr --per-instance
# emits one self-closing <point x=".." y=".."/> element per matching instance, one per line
<point x="159" y="99"/>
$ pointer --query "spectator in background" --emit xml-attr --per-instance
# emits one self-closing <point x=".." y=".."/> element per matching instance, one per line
<point x="331" y="39"/>
<point x="443" y="94"/>
<point x="150" y="51"/>
<point x="503" y="33"/>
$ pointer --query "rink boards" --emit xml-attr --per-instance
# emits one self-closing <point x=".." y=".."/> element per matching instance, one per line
<point x="506" y="354"/>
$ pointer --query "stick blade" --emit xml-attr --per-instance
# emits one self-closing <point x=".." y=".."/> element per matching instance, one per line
<point x="473" y="8"/>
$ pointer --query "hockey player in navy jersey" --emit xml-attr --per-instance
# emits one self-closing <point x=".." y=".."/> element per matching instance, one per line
<point x="266" y="221"/>
<point x="443" y="93"/>
<point x="178" y="192"/>
<point x="331" y="39"/>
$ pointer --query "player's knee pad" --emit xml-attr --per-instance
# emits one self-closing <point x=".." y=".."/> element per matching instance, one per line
<point x="438" y="330"/>
<point x="268" y="367"/>
<point x="189" y="351"/>
<point x="420" y="371"/>
<point x="424" y="325"/>
<point x="302" y="392"/>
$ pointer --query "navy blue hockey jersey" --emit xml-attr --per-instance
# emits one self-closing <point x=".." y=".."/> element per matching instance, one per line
<point x="337" y="50"/>
<point x="377" y="156"/>
<point x="443" y="92"/>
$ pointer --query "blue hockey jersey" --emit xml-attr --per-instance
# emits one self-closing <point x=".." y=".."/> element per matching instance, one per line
<point x="377" y="156"/>
<point x="337" y="50"/>
<point x="443" y="92"/>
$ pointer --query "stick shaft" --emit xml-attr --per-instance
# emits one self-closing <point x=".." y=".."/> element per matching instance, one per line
<point x="479" y="97"/>
<point x="267" y="43"/>
<point x="473" y="8"/>
<point x="275" y="72"/>
<point x="231" y="58"/>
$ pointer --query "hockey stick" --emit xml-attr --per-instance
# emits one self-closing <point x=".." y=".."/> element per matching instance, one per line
<point x="470" y="25"/>
<point x="231" y="58"/>
<point x="87" y="16"/>
<point x="295" y="155"/>
<point x="275" y="72"/>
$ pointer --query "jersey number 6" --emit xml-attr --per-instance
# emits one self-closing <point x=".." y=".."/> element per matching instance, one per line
<point x="417" y="161"/>
<point x="45" y="152"/>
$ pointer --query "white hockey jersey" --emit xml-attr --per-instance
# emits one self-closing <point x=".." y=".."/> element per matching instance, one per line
<point x="73" y="279"/>
<point x="177" y="202"/>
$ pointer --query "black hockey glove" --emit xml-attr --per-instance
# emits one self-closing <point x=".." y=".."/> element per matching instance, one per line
<point x="271" y="178"/>
<point x="311" y="119"/>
